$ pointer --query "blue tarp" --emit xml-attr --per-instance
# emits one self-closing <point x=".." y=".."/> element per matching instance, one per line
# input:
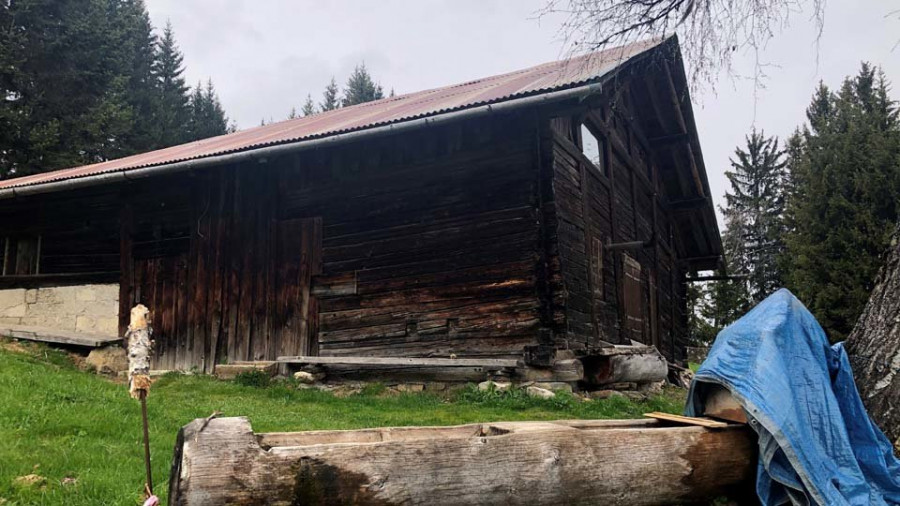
<point x="817" y="443"/>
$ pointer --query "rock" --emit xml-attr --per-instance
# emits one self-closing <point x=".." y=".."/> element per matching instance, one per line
<point x="307" y="378"/>
<point x="410" y="387"/>
<point x="108" y="360"/>
<point x="540" y="393"/>
<point x="555" y="386"/>
<point x="635" y="396"/>
<point x="654" y="388"/>
<point x="231" y="371"/>
<point x="605" y="394"/>
<point x="486" y="386"/>
<point x="435" y="386"/>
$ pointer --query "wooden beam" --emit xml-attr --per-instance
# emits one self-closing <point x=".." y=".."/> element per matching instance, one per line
<point x="665" y="141"/>
<point x="221" y="461"/>
<point x="48" y="335"/>
<point x="638" y="365"/>
<point x="682" y="124"/>
<point x="401" y="361"/>
<point x="688" y="420"/>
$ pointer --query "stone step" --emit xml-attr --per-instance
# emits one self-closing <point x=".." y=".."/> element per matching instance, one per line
<point x="229" y="371"/>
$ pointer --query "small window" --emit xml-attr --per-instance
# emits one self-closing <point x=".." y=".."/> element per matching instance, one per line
<point x="592" y="147"/>
<point x="21" y="255"/>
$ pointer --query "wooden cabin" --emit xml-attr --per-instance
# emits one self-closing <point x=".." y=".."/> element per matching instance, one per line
<point x="557" y="207"/>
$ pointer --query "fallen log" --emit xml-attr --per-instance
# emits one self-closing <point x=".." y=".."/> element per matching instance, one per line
<point x="625" y="364"/>
<point x="634" y="462"/>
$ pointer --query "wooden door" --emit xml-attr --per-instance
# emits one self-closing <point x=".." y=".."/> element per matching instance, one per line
<point x="298" y="257"/>
<point x="633" y="297"/>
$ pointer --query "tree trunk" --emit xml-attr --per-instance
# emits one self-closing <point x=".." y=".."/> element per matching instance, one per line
<point x="634" y="462"/>
<point x="874" y="347"/>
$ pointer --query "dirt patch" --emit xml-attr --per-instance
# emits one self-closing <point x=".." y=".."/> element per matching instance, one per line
<point x="14" y="346"/>
<point x="30" y="481"/>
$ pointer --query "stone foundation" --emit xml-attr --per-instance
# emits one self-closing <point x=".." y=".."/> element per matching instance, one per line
<point x="80" y="308"/>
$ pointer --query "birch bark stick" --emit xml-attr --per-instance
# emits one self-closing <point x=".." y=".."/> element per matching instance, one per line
<point x="139" y="345"/>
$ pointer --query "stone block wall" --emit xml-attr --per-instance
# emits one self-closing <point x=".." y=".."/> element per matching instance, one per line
<point x="81" y="308"/>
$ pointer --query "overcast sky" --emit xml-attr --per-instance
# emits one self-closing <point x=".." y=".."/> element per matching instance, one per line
<point x="264" y="56"/>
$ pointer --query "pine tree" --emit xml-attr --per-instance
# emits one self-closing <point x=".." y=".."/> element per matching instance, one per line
<point x="293" y="114"/>
<point x="309" y="108"/>
<point x="207" y="117"/>
<point x="845" y="178"/>
<point x="173" y="107"/>
<point x="754" y="215"/>
<point x="138" y="39"/>
<point x="122" y="93"/>
<point x="330" y="99"/>
<point x="47" y="122"/>
<point x="361" y="88"/>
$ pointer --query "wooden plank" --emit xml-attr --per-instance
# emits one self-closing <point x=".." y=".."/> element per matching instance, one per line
<point x="688" y="420"/>
<point x="401" y="361"/>
<point x="48" y="335"/>
<point x="334" y="285"/>
<point x="221" y="461"/>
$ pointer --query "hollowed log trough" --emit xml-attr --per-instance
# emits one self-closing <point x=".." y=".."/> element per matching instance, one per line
<point x="634" y="462"/>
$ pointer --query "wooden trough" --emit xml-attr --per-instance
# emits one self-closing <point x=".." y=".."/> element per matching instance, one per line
<point x="634" y="462"/>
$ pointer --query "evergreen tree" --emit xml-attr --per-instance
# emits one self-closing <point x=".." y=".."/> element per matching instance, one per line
<point x="207" y="118"/>
<point x="293" y="114"/>
<point x="122" y="91"/>
<point x="138" y="39"/>
<point x="754" y="215"/>
<point x="309" y="108"/>
<point x="173" y="107"/>
<point x="330" y="99"/>
<point x="845" y="178"/>
<point x="361" y="88"/>
<point x="48" y="122"/>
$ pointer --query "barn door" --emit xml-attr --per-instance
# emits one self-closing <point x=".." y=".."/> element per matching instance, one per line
<point x="298" y="257"/>
<point x="634" y="307"/>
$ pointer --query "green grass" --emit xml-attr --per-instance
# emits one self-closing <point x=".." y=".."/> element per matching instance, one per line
<point x="59" y="422"/>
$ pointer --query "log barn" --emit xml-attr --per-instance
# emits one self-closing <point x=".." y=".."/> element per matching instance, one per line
<point x="556" y="207"/>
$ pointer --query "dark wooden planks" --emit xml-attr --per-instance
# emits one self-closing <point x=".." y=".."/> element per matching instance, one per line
<point x="612" y="203"/>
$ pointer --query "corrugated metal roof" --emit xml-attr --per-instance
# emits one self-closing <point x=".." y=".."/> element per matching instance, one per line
<point x="544" y="78"/>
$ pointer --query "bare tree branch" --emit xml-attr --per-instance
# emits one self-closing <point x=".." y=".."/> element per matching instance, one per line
<point x="710" y="31"/>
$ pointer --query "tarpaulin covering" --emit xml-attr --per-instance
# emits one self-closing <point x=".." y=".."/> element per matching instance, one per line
<point x="817" y="444"/>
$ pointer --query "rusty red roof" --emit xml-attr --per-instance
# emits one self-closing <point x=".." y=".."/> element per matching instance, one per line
<point x="544" y="78"/>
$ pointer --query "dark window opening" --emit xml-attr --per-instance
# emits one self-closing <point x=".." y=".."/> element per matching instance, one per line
<point x="594" y="148"/>
<point x="21" y="255"/>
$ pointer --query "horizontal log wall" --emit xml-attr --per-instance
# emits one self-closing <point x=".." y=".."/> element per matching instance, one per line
<point x="78" y="231"/>
<point x="439" y="233"/>
<point x="471" y="239"/>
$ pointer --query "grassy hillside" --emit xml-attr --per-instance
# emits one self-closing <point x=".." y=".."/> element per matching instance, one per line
<point x="81" y="433"/>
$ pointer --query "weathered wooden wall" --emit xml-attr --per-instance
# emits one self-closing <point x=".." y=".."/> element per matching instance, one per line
<point x="435" y="235"/>
<point x="474" y="238"/>
<point x="601" y="294"/>
<point x="421" y="245"/>
<point x="226" y="280"/>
